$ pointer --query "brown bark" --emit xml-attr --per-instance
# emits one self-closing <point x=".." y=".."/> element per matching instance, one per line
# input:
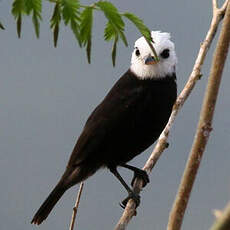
<point x="204" y="126"/>
<point x="130" y="209"/>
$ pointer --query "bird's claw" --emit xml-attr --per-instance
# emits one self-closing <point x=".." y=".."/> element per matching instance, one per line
<point x="141" y="174"/>
<point x="133" y="196"/>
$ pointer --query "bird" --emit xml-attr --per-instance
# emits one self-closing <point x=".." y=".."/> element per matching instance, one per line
<point x="129" y="119"/>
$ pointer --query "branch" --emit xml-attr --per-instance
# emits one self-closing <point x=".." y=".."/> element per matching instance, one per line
<point x="130" y="209"/>
<point x="214" y="5"/>
<point x="76" y="206"/>
<point x="204" y="127"/>
<point x="223" y="222"/>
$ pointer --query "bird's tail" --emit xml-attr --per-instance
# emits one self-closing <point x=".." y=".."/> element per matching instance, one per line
<point x="49" y="204"/>
<point x="69" y="178"/>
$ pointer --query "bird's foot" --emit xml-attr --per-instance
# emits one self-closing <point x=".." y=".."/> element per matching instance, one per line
<point x="139" y="173"/>
<point x="132" y="195"/>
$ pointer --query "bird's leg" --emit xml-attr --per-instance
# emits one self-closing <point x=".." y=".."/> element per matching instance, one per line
<point x="131" y="193"/>
<point x="137" y="173"/>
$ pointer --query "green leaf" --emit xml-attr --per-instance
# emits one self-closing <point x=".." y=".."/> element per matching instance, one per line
<point x="1" y="26"/>
<point x="35" y="6"/>
<point x="143" y="29"/>
<point x="71" y="14"/>
<point x="116" y="24"/>
<point x="139" y="24"/>
<point x="19" y="25"/>
<point x="86" y="29"/>
<point x="111" y="14"/>
<point x="21" y="7"/>
<point x="70" y="11"/>
<point x="75" y="29"/>
<point x="86" y="24"/>
<point x="28" y="6"/>
<point x="55" y="34"/>
<point x="18" y="8"/>
<point x="56" y="17"/>
<point x="55" y="21"/>
<point x="110" y="32"/>
<point x="114" y="51"/>
<point x="88" y="50"/>
<point x="122" y="35"/>
<point x="36" y="23"/>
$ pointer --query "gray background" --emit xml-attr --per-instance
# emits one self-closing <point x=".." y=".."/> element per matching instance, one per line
<point x="46" y="95"/>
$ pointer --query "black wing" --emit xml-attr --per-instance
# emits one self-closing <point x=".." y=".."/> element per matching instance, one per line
<point x="112" y="116"/>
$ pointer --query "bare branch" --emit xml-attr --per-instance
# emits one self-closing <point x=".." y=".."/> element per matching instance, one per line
<point x="204" y="127"/>
<point x="223" y="221"/>
<point x="217" y="213"/>
<point x="214" y="5"/>
<point x="130" y="209"/>
<point x="76" y="206"/>
<point x="224" y="6"/>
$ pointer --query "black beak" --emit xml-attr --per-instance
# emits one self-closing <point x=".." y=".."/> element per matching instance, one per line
<point x="149" y="60"/>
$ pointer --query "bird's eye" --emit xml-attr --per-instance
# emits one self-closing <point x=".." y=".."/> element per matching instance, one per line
<point x="165" y="53"/>
<point x="137" y="52"/>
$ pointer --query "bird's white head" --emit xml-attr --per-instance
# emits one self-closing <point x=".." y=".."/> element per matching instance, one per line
<point x="143" y="63"/>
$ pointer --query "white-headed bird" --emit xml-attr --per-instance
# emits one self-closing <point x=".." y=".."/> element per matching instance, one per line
<point x="129" y="119"/>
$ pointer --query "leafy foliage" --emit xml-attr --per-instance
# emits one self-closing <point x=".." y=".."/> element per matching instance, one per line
<point x="29" y="7"/>
<point x="139" y="24"/>
<point x="18" y="8"/>
<point x="34" y="7"/>
<point x="86" y="29"/>
<point x="70" y="10"/>
<point x="80" y="19"/>
<point x="115" y="25"/>
<point x="71" y="15"/>
<point x="55" y="21"/>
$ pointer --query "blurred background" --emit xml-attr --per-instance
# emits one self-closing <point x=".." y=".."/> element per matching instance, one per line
<point x="47" y="93"/>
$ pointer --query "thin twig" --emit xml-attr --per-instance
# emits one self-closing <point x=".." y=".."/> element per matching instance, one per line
<point x="76" y="206"/>
<point x="214" y="5"/>
<point x="224" y="6"/>
<point x="217" y="213"/>
<point x="223" y="221"/>
<point x="204" y="127"/>
<point x="130" y="209"/>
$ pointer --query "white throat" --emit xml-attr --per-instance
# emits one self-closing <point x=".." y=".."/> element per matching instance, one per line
<point x="148" y="71"/>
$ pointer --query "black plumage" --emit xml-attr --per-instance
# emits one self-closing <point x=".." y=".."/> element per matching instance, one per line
<point x="128" y="120"/>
